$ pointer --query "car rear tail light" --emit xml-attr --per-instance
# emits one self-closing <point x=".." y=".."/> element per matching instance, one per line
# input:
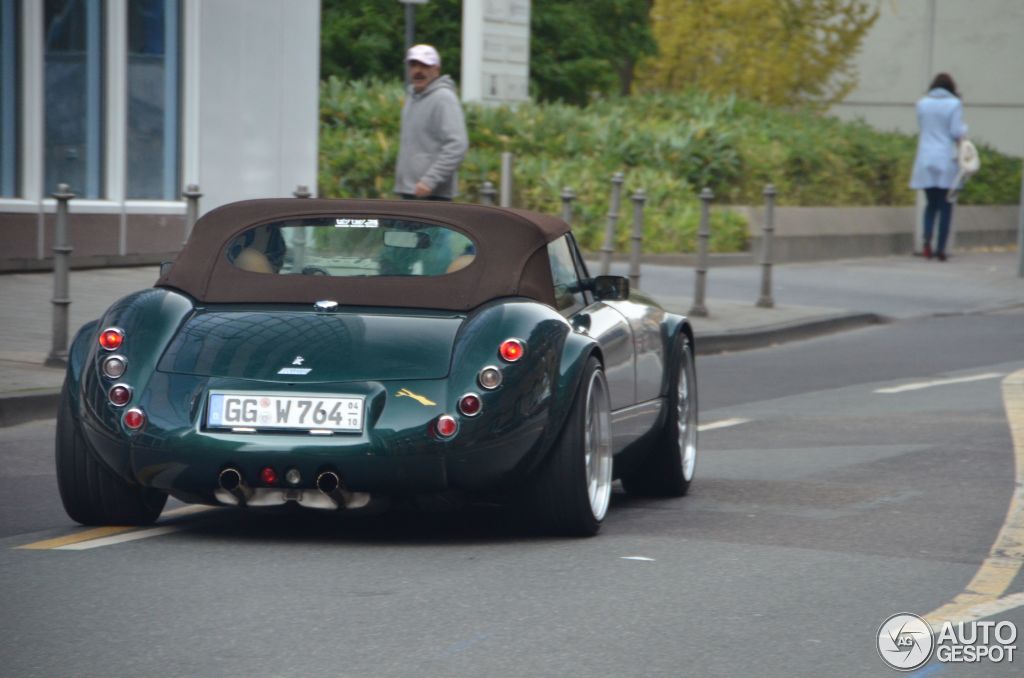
<point x="119" y="394"/>
<point x="114" y="366"/>
<point x="489" y="377"/>
<point x="134" y="419"/>
<point x="511" y="350"/>
<point x="446" y="426"/>
<point x="112" y="338"/>
<point x="268" y="475"/>
<point x="470" y="404"/>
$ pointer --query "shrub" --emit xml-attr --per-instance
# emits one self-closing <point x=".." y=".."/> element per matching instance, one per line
<point x="671" y="145"/>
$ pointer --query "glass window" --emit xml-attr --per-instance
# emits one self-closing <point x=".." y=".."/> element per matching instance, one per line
<point x="345" y="246"/>
<point x="568" y="297"/>
<point x="9" y="98"/>
<point x="153" y="98"/>
<point x="73" y="82"/>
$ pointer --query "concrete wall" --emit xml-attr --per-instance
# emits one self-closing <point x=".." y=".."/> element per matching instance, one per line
<point x="980" y="43"/>
<point x="815" y="233"/>
<point x="254" y="100"/>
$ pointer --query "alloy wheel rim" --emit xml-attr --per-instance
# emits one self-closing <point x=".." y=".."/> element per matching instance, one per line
<point x="686" y="420"/>
<point x="597" y="446"/>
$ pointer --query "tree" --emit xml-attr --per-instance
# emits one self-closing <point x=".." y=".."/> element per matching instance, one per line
<point x="774" y="51"/>
<point x="578" y="48"/>
<point x="366" y="38"/>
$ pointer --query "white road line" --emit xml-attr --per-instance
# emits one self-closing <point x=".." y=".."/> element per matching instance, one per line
<point x="643" y="558"/>
<point x="119" y="538"/>
<point x="724" y="423"/>
<point x="939" y="382"/>
<point x="984" y="610"/>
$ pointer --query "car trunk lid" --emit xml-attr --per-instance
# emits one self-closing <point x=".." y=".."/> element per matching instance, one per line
<point x="298" y="345"/>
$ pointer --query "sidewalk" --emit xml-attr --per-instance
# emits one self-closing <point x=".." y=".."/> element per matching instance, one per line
<point x="810" y="299"/>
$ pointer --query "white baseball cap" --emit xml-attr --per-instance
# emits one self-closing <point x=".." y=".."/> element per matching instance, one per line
<point x="425" y="54"/>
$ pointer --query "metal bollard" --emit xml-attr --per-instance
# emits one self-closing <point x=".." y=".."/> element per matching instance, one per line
<point x="506" y="180"/>
<point x="61" y="288"/>
<point x="765" y="300"/>
<point x="639" y="198"/>
<point x="302" y="192"/>
<point x="192" y="196"/>
<point x="487" y="193"/>
<point x="608" y="248"/>
<point x="567" y="197"/>
<point x="698" y="308"/>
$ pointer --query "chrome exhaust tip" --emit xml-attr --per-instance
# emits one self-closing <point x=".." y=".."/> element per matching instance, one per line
<point x="230" y="480"/>
<point x="329" y="483"/>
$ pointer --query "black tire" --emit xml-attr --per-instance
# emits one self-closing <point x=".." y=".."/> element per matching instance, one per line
<point x="91" y="493"/>
<point x="561" y="498"/>
<point x="668" y="470"/>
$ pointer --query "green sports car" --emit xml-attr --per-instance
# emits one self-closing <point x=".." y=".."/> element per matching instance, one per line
<point x="339" y="353"/>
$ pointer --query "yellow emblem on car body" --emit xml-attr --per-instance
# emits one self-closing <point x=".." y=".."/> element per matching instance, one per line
<point x="422" y="400"/>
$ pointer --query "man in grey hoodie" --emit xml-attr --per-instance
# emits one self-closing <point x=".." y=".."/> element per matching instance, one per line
<point x="433" y="140"/>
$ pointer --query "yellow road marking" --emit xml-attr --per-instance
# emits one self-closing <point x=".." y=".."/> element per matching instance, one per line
<point x="95" y="533"/>
<point x="107" y="532"/>
<point x="1007" y="554"/>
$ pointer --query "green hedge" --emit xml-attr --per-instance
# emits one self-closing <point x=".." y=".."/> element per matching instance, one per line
<point x="670" y="145"/>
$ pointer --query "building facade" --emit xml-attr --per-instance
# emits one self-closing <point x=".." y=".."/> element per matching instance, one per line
<point x="129" y="101"/>
<point x="979" y="43"/>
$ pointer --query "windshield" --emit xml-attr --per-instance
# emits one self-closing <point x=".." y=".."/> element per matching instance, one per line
<point x="346" y="246"/>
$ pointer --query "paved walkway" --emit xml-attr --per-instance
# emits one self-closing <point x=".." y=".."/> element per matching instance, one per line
<point x="810" y="299"/>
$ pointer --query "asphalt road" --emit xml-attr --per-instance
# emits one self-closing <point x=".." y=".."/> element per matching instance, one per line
<point x="823" y="505"/>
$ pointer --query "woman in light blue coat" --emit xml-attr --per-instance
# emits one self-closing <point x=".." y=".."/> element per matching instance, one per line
<point x="940" y="119"/>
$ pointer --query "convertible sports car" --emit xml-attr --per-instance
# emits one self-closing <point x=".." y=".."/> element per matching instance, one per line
<point x="333" y="353"/>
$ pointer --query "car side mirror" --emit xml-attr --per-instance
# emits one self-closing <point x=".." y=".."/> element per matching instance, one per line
<point x="610" y="287"/>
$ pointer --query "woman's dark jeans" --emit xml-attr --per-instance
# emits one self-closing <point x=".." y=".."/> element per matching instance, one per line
<point x="937" y="205"/>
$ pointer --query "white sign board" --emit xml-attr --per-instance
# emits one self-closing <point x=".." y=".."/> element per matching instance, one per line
<point x="495" y="51"/>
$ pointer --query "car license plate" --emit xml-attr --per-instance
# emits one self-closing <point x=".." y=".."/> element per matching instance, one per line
<point x="309" y="412"/>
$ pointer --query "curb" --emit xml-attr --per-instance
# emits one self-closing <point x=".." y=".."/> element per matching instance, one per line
<point x="743" y="340"/>
<point x="25" y="406"/>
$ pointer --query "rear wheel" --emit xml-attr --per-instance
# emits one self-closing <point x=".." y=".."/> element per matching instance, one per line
<point x="572" y="490"/>
<point x="91" y="493"/>
<point x="669" y="467"/>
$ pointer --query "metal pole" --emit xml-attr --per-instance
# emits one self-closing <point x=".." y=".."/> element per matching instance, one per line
<point x="608" y="248"/>
<point x="698" y="308"/>
<point x="567" y="197"/>
<point x="487" y="193"/>
<point x="505" y="199"/>
<point x="639" y="198"/>
<point x="1020" y="230"/>
<point x="766" y="301"/>
<point x="61" y="288"/>
<point x="192" y="195"/>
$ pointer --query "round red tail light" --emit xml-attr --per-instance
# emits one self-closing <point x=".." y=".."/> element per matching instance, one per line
<point x="112" y="338"/>
<point x="470" y="404"/>
<point x="134" y="419"/>
<point x="446" y="426"/>
<point x="268" y="476"/>
<point x="119" y="394"/>
<point x="511" y="350"/>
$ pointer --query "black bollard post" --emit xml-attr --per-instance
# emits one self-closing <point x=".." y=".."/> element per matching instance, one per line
<point x="61" y="284"/>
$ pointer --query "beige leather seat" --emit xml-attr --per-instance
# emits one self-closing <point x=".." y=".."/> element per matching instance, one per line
<point x="460" y="262"/>
<point x="254" y="261"/>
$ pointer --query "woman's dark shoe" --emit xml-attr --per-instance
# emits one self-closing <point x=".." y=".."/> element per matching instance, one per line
<point x="927" y="252"/>
<point x="940" y="256"/>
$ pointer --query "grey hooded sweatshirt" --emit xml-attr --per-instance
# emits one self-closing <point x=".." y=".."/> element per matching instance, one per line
<point x="433" y="140"/>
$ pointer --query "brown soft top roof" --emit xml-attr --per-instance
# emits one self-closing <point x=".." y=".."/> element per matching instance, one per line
<point x="511" y="259"/>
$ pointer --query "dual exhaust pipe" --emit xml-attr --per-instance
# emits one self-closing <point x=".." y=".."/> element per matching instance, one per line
<point x="328" y="482"/>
